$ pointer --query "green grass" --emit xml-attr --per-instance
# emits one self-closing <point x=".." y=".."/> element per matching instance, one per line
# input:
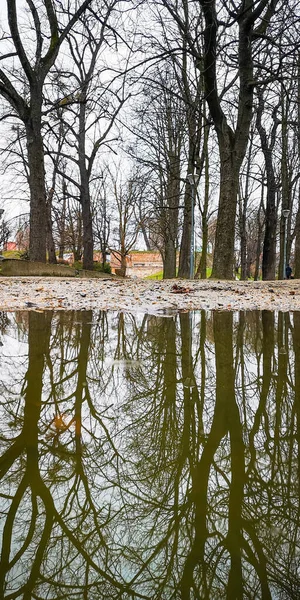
<point x="160" y="274"/>
<point x="155" y="276"/>
<point x="97" y="266"/>
<point x="11" y="253"/>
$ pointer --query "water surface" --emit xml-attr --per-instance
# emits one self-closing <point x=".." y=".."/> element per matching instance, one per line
<point x="150" y="457"/>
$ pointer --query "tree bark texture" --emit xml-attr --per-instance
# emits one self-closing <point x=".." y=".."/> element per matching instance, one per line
<point x="225" y="231"/>
<point x="35" y="155"/>
<point x="87" y="222"/>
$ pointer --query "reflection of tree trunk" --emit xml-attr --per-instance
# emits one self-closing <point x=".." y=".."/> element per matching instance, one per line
<point x="226" y="418"/>
<point x="81" y="388"/>
<point x="296" y="340"/>
<point x="268" y="342"/>
<point x="190" y="390"/>
<point x="225" y="392"/>
<point x="38" y="341"/>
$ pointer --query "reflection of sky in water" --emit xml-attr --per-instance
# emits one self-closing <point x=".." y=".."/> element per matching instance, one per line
<point x="167" y="449"/>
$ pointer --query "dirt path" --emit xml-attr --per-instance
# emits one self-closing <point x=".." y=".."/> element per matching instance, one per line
<point x="33" y="293"/>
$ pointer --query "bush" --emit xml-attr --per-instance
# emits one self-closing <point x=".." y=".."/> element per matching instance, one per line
<point x="77" y="264"/>
<point x="106" y="268"/>
<point x="97" y="266"/>
<point x="24" y="255"/>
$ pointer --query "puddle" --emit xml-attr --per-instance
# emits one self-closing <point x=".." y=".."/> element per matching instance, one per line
<point x="149" y="457"/>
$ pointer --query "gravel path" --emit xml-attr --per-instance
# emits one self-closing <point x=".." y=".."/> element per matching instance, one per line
<point x="34" y="293"/>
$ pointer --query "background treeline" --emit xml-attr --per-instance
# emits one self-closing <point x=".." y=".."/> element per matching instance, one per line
<point x="107" y="106"/>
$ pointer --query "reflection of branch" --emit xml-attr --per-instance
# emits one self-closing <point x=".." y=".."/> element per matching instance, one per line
<point x="7" y="530"/>
<point x="34" y="514"/>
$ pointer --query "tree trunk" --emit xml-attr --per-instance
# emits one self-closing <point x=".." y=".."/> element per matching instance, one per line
<point x="123" y="266"/>
<point x="87" y="222"/>
<point x="269" y="246"/>
<point x="87" y="226"/>
<point x="146" y="237"/>
<point x="171" y="228"/>
<point x="35" y="154"/>
<point x="62" y="227"/>
<point x="229" y="182"/>
<point x="202" y="269"/>
<point x="243" y="238"/>
<point x="185" y="246"/>
<point x="50" y="239"/>
<point x="169" y="260"/>
<point x="297" y="245"/>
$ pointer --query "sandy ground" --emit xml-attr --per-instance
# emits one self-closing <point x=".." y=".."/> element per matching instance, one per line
<point x="34" y="293"/>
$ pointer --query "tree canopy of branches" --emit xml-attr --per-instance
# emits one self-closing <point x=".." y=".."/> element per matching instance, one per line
<point x="214" y="93"/>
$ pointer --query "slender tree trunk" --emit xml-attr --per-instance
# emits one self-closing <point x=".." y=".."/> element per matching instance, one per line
<point x="269" y="246"/>
<point x="243" y="238"/>
<point x="297" y="227"/>
<point x="87" y="222"/>
<point x="202" y="268"/>
<point x="145" y="236"/>
<point x="259" y="234"/>
<point x="297" y="244"/>
<point x="50" y="239"/>
<point x="285" y="192"/>
<point x="62" y="228"/>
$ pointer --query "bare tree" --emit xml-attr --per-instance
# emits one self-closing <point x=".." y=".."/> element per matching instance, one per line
<point x="26" y="98"/>
<point x="126" y="197"/>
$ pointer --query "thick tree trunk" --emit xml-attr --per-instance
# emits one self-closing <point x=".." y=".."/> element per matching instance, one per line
<point x="185" y="246"/>
<point x="269" y="246"/>
<point x="229" y="182"/>
<point x="35" y="155"/>
<point x="123" y="266"/>
<point x="169" y="260"/>
<point x="87" y="225"/>
<point x="171" y="229"/>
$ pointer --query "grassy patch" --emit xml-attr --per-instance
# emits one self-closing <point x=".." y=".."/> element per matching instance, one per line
<point x="155" y="276"/>
<point x="11" y="253"/>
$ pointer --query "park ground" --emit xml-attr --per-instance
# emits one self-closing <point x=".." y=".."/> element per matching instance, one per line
<point x="162" y="297"/>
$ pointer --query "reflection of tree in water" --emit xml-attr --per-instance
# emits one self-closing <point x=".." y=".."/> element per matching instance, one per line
<point x="149" y="460"/>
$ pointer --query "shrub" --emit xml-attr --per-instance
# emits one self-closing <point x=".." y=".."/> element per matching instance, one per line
<point x="106" y="268"/>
